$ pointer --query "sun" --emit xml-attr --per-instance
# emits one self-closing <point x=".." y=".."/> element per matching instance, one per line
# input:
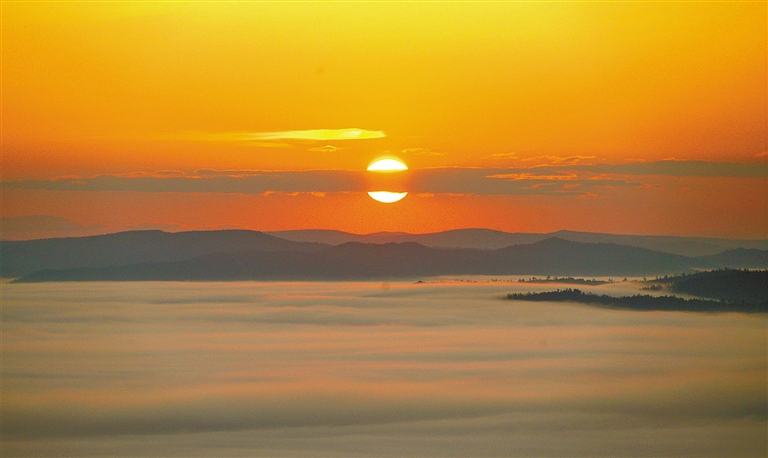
<point x="387" y="197"/>
<point x="387" y="165"/>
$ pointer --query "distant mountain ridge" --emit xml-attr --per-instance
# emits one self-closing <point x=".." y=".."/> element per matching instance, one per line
<point x="745" y="258"/>
<point x="488" y="239"/>
<point x="354" y="260"/>
<point x="23" y="257"/>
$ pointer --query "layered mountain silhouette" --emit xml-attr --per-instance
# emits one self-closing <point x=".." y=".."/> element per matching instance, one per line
<point x="245" y="255"/>
<point x="23" y="257"/>
<point x="739" y="257"/>
<point x="487" y="239"/>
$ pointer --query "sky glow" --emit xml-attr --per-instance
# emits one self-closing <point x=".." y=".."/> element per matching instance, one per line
<point x="549" y="111"/>
<point x="619" y="117"/>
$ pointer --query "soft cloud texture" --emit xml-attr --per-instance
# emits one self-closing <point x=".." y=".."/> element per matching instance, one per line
<point x="319" y="134"/>
<point x="422" y="152"/>
<point x="222" y="181"/>
<point x="326" y="149"/>
<point x="439" y="369"/>
<point x="683" y="169"/>
<point x="537" y="180"/>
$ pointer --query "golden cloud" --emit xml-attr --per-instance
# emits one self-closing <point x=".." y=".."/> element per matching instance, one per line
<point x="326" y="149"/>
<point x="277" y="139"/>
<point x="319" y="134"/>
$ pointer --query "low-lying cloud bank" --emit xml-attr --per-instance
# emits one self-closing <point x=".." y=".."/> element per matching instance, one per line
<point x="364" y="368"/>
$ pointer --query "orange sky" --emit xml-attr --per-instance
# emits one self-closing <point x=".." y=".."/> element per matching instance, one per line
<point x="512" y="116"/>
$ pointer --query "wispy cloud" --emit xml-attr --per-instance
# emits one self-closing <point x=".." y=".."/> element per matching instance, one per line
<point x="280" y="139"/>
<point x="422" y="152"/>
<point x="667" y="167"/>
<point x="512" y="182"/>
<point x="326" y="149"/>
<point x="319" y="134"/>
<point x="543" y="161"/>
<point x="532" y="176"/>
<point x="681" y="168"/>
<point x="503" y="156"/>
<point x="560" y="160"/>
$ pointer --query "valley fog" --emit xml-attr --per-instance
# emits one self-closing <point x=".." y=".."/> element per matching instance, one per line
<point x="372" y="369"/>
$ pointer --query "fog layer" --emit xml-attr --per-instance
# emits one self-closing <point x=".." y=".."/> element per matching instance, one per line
<point x="370" y="369"/>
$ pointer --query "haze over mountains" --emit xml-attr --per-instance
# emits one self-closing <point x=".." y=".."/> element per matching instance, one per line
<point x="24" y="228"/>
<point x="23" y="257"/>
<point x="249" y="255"/>
<point x="487" y="239"/>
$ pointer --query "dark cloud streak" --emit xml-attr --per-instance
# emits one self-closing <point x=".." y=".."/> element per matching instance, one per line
<point x="571" y="179"/>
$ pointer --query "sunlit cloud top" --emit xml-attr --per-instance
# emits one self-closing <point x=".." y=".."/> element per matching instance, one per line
<point x="320" y="134"/>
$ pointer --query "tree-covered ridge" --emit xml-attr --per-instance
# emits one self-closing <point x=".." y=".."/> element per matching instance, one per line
<point x="642" y="302"/>
<point x="731" y="285"/>
<point x="570" y="280"/>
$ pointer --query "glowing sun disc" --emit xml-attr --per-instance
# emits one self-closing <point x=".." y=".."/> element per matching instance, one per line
<point x="386" y="196"/>
<point x="387" y="165"/>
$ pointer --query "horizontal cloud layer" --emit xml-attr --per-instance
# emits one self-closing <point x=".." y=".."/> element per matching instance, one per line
<point x="540" y="180"/>
<point x="233" y="181"/>
<point x="682" y="169"/>
<point x="420" y="363"/>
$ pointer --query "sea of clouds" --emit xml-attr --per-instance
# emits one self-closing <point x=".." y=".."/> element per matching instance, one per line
<point x="369" y="369"/>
